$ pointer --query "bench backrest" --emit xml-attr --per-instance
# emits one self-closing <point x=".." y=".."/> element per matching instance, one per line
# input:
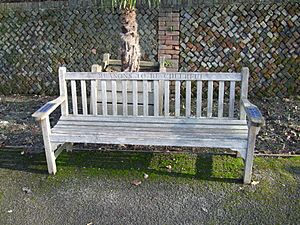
<point x="199" y="94"/>
<point x="109" y="64"/>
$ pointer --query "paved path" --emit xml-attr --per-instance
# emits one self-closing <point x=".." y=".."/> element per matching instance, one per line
<point x="78" y="198"/>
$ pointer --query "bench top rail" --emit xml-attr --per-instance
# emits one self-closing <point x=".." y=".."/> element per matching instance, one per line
<point x="181" y="76"/>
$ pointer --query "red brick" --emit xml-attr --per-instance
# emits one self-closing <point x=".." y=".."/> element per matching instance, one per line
<point x="165" y="38"/>
<point x="190" y="45"/>
<point x="175" y="56"/>
<point x="176" y="47"/>
<point x="172" y="24"/>
<point x="165" y="47"/>
<point x="176" y="19"/>
<point x="165" y="56"/>
<point x="172" y="52"/>
<point x="172" y="27"/>
<point x="172" y="69"/>
<point x="172" y="42"/>
<point x="163" y="28"/>
<point x="163" y="18"/>
<point x="161" y="23"/>
<point x="171" y="33"/>
<point x="160" y="32"/>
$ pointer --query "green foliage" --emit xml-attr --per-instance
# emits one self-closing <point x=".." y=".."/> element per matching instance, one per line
<point x="131" y="4"/>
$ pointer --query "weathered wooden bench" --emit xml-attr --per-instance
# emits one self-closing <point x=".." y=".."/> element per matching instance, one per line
<point x="197" y="124"/>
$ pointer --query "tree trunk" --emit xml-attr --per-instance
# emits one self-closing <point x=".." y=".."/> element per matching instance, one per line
<point x="130" y="56"/>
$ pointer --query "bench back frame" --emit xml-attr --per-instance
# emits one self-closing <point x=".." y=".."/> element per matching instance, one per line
<point x="161" y="92"/>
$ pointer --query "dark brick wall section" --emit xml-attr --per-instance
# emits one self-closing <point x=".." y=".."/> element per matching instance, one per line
<point x="265" y="38"/>
<point x="35" y="39"/>
<point x="33" y="44"/>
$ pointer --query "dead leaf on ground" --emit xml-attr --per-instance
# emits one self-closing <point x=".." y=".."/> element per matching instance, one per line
<point x="136" y="182"/>
<point x="169" y="167"/>
<point x="204" y="209"/>
<point x="26" y="190"/>
<point x="146" y="176"/>
<point x="254" y="183"/>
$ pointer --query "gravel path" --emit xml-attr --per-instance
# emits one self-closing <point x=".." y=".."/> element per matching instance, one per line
<point x="99" y="200"/>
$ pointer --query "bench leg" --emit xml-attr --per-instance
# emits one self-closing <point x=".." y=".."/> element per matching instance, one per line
<point x="250" y="154"/>
<point x="50" y="157"/>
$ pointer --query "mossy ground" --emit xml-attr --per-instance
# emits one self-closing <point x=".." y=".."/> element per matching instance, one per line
<point x="278" y="178"/>
<point x="112" y="164"/>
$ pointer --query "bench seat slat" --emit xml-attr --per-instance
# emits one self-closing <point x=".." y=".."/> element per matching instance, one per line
<point x="152" y="127"/>
<point x="167" y="141"/>
<point x="161" y="120"/>
<point x="146" y="125"/>
<point x="158" y="135"/>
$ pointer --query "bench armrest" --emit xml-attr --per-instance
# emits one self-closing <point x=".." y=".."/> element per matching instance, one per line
<point x="48" y="108"/>
<point x="254" y="115"/>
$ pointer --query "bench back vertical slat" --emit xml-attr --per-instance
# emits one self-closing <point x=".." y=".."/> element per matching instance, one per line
<point x="199" y="99"/>
<point x="210" y="98"/>
<point x="74" y="97"/>
<point x="114" y="97"/>
<point x="149" y="94"/>
<point x="124" y="97"/>
<point x="221" y="99"/>
<point x="63" y="90"/>
<point x="83" y="97"/>
<point x="166" y="97"/>
<point x="231" y="99"/>
<point x="244" y="90"/>
<point x="188" y="99"/>
<point x="161" y="96"/>
<point x="94" y="109"/>
<point x="134" y="98"/>
<point x="177" y="98"/>
<point x="104" y="97"/>
<point x="145" y="98"/>
<point x="156" y="98"/>
<point x="94" y="93"/>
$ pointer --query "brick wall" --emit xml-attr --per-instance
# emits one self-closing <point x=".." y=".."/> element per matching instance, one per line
<point x="263" y="37"/>
<point x="34" y="43"/>
<point x="208" y="37"/>
<point x="168" y="38"/>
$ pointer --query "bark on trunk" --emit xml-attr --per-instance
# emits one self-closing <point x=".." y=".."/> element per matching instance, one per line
<point x="130" y="55"/>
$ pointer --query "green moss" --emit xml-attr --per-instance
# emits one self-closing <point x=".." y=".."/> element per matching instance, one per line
<point x="1" y="196"/>
<point x="184" y="166"/>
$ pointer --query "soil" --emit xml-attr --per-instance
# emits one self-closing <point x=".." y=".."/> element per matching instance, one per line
<point x="281" y="134"/>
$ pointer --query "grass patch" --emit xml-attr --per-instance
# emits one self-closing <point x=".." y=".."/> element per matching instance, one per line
<point x="158" y="165"/>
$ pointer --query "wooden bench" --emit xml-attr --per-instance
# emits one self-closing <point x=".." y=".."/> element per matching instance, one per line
<point x="204" y="121"/>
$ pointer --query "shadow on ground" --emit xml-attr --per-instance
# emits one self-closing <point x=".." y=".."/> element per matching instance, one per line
<point x="210" y="167"/>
